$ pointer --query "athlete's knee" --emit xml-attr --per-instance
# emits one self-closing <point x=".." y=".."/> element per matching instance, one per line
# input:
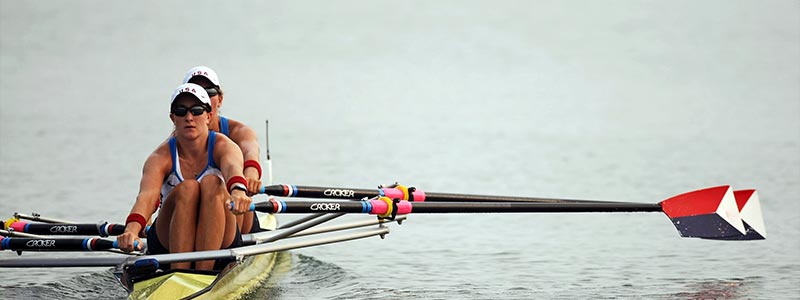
<point x="211" y="182"/>
<point x="187" y="191"/>
<point x="188" y="186"/>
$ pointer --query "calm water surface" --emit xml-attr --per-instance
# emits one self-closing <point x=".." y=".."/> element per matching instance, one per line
<point x="635" y="101"/>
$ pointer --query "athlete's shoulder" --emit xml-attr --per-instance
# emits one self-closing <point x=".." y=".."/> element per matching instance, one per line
<point x="219" y="137"/>
<point x="164" y="147"/>
<point x="234" y="124"/>
<point x="160" y="158"/>
<point x="240" y="131"/>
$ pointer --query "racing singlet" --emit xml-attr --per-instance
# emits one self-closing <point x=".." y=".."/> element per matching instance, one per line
<point x="175" y="177"/>
<point x="223" y="126"/>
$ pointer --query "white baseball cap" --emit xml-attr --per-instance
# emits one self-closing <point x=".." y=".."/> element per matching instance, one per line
<point x="202" y="71"/>
<point x="195" y="90"/>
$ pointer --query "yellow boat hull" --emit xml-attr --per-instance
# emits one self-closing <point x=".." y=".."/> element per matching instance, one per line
<point x="236" y="281"/>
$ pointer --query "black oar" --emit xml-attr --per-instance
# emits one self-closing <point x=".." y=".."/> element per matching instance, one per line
<point x="380" y="206"/>
<point x="101" y="229"/>
<point x="60" y="244"/>
<point x="712" y="213"/>
<point x="400" y="192"/>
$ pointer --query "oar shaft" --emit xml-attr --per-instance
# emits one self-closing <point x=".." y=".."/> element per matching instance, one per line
<point x="522" y="207"/>
<point x="109" y="261"/>
<point x="417" y="195"/>
<point x="60" y="244"/>
<point x="101" y="229"/>
<point x="286" y="190"/>
<point x="450" y="197"/>
<point x="38" y="218"/>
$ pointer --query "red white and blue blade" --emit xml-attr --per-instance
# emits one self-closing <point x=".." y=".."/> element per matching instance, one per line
<point x="710" y="213"/>
<point x="750" y="210"/>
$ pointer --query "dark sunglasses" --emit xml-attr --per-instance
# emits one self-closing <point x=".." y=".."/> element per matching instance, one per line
<point x="181" y="110"/>
<point x="212" y="92"/>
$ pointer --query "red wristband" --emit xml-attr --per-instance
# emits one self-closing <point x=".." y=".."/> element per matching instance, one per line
<point x="138" y="218"/>
<point x="254" y="164"/>
<point x="234" y="180"/>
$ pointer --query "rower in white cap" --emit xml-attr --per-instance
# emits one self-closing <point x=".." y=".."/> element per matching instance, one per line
<point x="194" y="177"/>
<point x="241" y="134"/>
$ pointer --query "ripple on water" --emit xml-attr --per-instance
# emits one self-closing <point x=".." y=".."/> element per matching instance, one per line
<point x="91" y="285"/>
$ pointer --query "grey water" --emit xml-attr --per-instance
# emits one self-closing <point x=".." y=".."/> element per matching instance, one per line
<point x="622" y="100"/>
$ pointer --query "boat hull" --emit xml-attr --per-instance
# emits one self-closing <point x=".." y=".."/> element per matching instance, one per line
<point x="236" y="280"/>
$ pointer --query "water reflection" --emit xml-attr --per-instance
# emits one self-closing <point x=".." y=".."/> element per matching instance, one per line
<point x="720" y="289"/>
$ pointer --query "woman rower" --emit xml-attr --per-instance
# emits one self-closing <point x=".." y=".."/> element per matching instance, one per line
<point x="238" y="132"/>
<point x="186" y="176"/>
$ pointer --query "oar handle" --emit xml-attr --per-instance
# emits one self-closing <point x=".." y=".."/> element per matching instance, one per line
<point x="60" y="244"/>
<point x="115" y="244"/>
<point x="252" y="207"/>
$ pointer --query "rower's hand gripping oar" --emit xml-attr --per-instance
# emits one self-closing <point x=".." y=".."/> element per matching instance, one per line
<point x="60" y="244"/>
<point x="711" y="213"/>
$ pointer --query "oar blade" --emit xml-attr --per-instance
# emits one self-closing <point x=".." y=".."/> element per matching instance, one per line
<point x="750" y="209"/>
<point x="709" y="213"/>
